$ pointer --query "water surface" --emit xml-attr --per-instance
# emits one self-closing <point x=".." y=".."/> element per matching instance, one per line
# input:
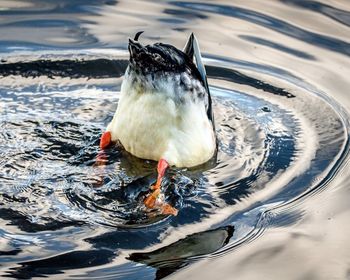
<point x="278" y="77"/>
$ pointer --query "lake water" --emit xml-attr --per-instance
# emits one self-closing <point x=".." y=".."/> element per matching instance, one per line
<point x="273" y="203"/>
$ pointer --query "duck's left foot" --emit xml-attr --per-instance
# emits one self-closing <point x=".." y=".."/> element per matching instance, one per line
<point x="106" y="139"/>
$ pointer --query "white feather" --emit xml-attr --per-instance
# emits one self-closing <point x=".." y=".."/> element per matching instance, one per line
<point x="150" y="125"/>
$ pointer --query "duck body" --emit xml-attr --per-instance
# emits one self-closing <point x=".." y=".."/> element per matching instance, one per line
<point x="163" y="110"/>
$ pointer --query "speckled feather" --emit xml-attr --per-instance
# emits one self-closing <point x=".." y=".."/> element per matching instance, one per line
<point x="161" y="59"/>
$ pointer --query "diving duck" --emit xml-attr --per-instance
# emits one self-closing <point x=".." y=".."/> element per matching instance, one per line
<point x="165" y="109"/>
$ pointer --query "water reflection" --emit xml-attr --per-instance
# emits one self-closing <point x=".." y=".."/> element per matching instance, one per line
<point x="174" y="256"/>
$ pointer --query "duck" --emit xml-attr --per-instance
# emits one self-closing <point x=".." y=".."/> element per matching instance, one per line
<point x="165" y="110"/>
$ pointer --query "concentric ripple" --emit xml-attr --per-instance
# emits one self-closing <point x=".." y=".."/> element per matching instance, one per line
<point x="276" y="145"/>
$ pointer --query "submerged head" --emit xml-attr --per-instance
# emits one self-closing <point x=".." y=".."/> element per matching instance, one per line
<point x="162" y="68"/>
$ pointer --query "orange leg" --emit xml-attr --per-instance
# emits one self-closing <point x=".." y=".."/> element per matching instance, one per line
<point x="150" y="200"/>
<point x="106" y="139"/>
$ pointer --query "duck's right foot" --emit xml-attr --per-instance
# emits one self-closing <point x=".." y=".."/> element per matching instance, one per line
<point x="167" y="209"/>
<point x="151" y="199"/>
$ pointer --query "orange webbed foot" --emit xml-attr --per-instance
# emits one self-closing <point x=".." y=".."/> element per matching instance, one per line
<point x="167" y="209"/>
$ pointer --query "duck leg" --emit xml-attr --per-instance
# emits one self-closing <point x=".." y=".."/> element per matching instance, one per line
<point x="161" y="168"/>
<point x="150" y="200"/>
<point x="106" y="139"/>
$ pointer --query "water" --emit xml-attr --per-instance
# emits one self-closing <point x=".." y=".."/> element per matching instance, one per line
<point x="273" y="200"/>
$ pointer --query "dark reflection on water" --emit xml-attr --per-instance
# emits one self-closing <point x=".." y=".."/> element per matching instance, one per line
<point x="58" y="264"/>
<point x="239" y="78"/>
<point x="97" y="69"/>
<point x="185" y="14"/>
<point x="68" y="210"/>
<point x="170" y="258"/>
<point x="278" y="46"/>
